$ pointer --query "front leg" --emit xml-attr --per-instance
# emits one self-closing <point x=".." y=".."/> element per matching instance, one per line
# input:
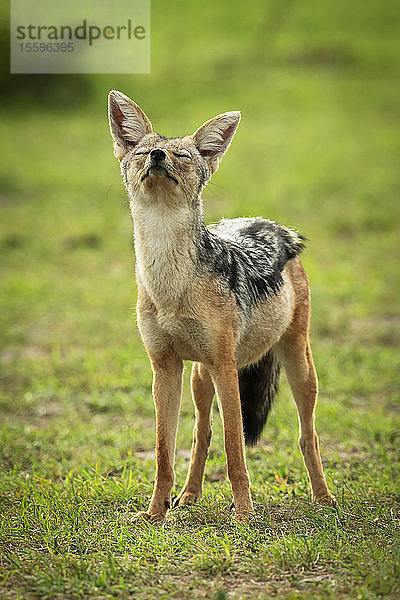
<point x="225" y="378"/>
<point x="167" y="387"/>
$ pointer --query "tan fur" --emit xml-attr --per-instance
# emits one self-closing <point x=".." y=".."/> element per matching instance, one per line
<point x="213" y="339"/>
<point x="183" y="315"/>
<point x="203" y="394"/>
<point x="293" y="349"/>
<point x="266" y="324"/>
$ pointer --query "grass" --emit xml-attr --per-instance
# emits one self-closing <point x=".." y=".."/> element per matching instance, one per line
<point x="318" y="148"/>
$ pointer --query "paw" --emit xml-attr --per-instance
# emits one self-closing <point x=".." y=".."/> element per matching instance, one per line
<point x="143" y="516"/>
<point x="326" y="499"/>
<point x="186" y="498"/>
<point x="242" y="516"/>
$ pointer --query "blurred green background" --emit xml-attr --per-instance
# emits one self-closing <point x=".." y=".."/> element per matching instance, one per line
<point x="318" y="148"/>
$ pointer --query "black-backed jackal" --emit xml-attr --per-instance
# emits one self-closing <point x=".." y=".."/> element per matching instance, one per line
<point x="232" y="298"/>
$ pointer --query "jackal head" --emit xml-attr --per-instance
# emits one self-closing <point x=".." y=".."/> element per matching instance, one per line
<point x="156" y="168"/>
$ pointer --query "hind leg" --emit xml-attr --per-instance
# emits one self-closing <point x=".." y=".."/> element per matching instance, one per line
<point x="203" y="394"/>
<point x="295" y="354"/>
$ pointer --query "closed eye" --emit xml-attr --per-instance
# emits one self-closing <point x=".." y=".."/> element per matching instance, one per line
<point x="182" y="154"/>
<point x="142" y="152"/>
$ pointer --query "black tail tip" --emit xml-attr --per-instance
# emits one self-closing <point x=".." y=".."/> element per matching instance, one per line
<point x="258" y="385"/>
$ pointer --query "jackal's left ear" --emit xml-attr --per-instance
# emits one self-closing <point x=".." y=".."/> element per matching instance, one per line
<point x="128" y="123"/>
<point x="212" y="139"/>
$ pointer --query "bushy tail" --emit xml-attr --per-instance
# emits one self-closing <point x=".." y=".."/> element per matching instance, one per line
<point x="258" y="386"/>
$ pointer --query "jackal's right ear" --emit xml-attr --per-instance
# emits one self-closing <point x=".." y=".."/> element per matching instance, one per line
<point x="128" y="123"/>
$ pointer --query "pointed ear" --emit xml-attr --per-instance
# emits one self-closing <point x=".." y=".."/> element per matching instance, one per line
<point x="212" y="139"/>
<point x="128" y="123"/>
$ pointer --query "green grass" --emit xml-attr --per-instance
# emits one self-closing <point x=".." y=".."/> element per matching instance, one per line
<point x="318" y="148"/>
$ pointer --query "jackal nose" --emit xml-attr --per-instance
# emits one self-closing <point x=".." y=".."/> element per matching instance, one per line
<point x="157" y="155"/>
